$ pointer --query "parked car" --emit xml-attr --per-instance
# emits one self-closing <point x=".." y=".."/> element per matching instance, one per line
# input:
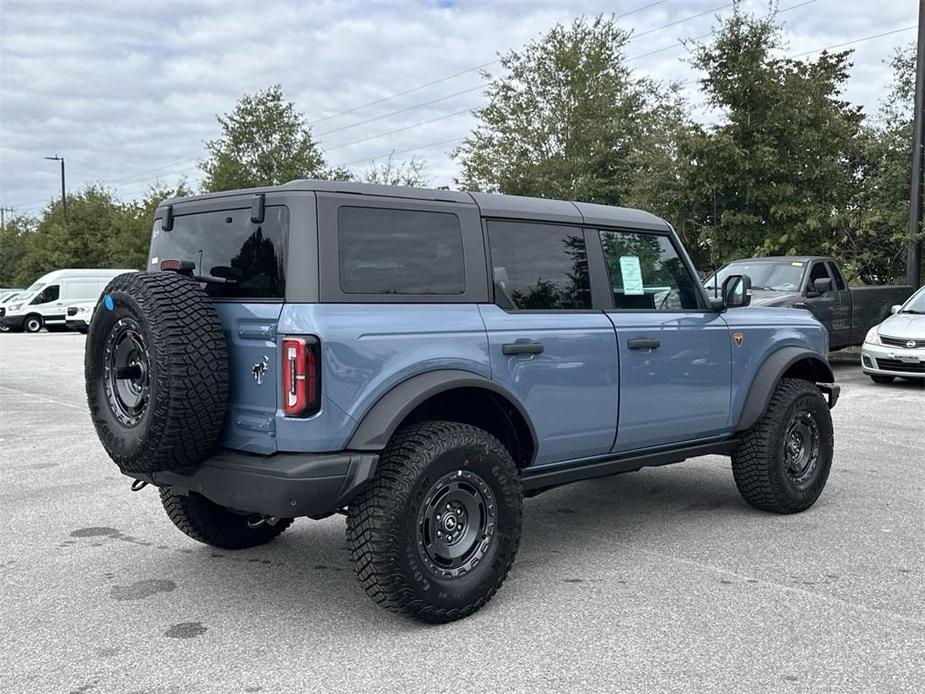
<point x="816" y="283"/>
<point x="7" y="296"/>
<point x="77" y="316"/>
<point x="420" y="360"/>
<point x="896" y="347"/>
<point x="43" y="304"/>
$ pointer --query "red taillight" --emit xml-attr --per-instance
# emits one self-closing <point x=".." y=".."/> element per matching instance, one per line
<point x="301" y="381"/>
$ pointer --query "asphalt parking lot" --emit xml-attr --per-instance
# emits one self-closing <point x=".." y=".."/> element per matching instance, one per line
<point x="661" y="580"/>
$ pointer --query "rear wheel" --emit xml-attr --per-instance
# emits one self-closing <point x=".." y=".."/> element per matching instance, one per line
<point x="217" y="526"/>
<point x="32" y="324"/>
<point x="878" y="378"/>
<point x="436" y="532"/>
<point x="782" y="463"/>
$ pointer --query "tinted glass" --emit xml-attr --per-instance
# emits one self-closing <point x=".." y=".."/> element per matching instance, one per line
<point x="242" y="259"/>
<point x="839" y="280"/>
<point x="399" y="252"/>
<point x="50" y="293"/>
<point x="818" y="272"/>
<point x="647" y="273"/>
<point x="539" y="266"/>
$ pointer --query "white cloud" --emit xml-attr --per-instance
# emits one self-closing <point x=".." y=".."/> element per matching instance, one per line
<point x="128" y="92"/>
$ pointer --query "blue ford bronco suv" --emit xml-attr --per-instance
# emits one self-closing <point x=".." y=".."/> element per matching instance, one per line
<point x="422" y="360"/>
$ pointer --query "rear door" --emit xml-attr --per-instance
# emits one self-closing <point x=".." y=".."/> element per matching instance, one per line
<point x="548" y="343"/>
<point x="675" y="354"/>
<point x="245" y="263"/>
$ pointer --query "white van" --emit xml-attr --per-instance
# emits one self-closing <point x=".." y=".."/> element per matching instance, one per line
<point x="45" y="302"/>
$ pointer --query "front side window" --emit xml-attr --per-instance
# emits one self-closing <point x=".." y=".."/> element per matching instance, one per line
<point x="539" y="266"/>
<point x="646" y="272"/>
<point x="382" y="251"/>
<point x="49" y="294"/>
<point x="818" y="272"/>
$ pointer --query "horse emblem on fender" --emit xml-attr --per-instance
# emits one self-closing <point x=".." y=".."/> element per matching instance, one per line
<point x="738" y="337"/>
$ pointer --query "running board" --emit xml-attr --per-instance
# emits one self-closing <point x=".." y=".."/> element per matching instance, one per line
<point x="565" y="473"/>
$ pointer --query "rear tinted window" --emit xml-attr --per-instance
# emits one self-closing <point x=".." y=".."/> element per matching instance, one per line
<point x="244" y="259"/>
<point x="383" y="251"/>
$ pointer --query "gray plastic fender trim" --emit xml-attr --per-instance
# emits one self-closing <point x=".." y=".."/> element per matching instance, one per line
<point x="383" y="418"/>
<point x="770" y="373"/>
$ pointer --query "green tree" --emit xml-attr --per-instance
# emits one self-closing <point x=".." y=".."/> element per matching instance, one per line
<point x="875" y="234"/>
<point x="14" y="244"/>
<point x="265" y="141"/>
<point x="411" y="173"/>
<point x="128" y="246"/>
<point x="80" y="240"/>
<point x="776" y="174"/>
<point x="566" y="120"/>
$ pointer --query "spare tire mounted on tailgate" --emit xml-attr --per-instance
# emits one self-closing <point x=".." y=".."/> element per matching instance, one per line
<point x="156" y="371"/>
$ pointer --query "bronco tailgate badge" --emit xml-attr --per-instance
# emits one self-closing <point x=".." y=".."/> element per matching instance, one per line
<point x="260" y="369"/>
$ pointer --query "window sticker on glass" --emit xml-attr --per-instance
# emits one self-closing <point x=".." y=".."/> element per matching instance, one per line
<point x="632" y="275"/>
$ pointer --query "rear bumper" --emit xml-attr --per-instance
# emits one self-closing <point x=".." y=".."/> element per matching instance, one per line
<point x="284" y="485"/>
<point x="76" y="323"/>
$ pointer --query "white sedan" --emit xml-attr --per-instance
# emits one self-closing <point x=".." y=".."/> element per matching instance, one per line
<point x="896" y="347"/>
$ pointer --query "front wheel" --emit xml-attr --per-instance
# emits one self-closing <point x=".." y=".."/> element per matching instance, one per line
<point x="435" y="533"/>
<point x="782" y="463"/>
<point x="32" y="324"/>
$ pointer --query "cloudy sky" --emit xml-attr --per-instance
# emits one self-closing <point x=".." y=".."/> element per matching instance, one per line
<point x="127" y="90"/>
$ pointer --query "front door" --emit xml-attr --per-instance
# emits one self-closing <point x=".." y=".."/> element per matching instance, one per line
<point x="548" y="346"/>
<point x="675" y="354"/>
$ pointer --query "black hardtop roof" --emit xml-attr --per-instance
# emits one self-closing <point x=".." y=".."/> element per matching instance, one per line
<point x="490" y="204"/>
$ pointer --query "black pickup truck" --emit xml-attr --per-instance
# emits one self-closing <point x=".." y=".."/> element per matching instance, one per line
<point x="816" y="283"/>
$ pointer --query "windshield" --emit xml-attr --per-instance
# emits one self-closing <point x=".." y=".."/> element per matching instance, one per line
<point x="770" y="276"/>
<point x="916" y="303"/>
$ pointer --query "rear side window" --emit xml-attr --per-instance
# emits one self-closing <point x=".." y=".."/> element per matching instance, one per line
<point x="646" y="272"/>
<point x="539" y="266"/>
<point x="239" y="258"/>
<point x="382" y="251"/>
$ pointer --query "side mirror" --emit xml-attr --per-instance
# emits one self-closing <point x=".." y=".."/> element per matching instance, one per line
<point x="821" y="286"/>
<point x="736" y="293"/>
<point x="895" y="308"/>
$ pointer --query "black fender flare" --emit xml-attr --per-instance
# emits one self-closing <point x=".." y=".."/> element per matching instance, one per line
<point x="769" y="375"/>
<point x="384" y="417"/>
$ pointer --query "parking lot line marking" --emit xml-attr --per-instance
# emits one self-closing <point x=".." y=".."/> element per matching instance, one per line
<point x="43" y="398"/>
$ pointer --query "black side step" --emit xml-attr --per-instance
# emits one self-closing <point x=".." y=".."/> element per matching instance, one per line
<point x="554" y="476"/>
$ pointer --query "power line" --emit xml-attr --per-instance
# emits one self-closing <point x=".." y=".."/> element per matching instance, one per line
<point x="451" y="76"/>
<point x="398" y="130"/>
<point x="137" y="176"/>
<point x="402" y="151"/>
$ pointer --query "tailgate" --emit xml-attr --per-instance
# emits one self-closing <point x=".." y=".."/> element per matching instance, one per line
<point x="253" y="361"/>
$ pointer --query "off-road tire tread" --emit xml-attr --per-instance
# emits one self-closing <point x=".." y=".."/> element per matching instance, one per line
<point x="188" y="345"/>
<point x="752" y="460"/>
<point x="214" y="525"/>
<point x="374" y="520"/>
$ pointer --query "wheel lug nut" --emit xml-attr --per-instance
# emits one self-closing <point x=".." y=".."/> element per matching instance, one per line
<point x="459" y="512"/>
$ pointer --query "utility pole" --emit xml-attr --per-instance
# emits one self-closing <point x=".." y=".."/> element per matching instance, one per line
<point x="914" y="261"/>
<point x="3" y="211"/>
<point x="64" y="194"/>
